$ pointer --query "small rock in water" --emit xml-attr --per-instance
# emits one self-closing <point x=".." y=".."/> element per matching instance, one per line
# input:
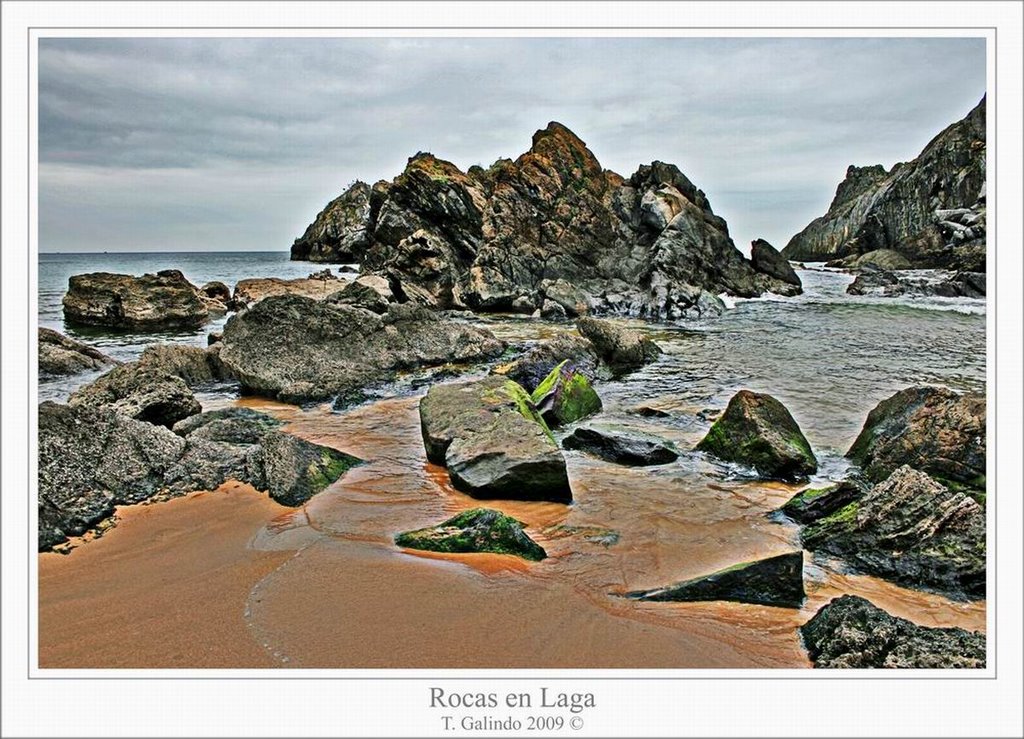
<point x="622" y="447"/>
<point x="475" y="531"/>
<point x="775" y="581"/>
<point x="812" y="504"/>
<point x="650" y="412"/>
<point x="566" y="396"/>
<point x="622" y="349"/>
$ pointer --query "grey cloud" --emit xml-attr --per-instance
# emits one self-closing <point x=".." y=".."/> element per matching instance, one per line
<point x="237" y="143"/>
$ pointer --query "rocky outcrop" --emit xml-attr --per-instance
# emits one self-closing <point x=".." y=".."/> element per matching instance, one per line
<point x="475" y="531"/>
<point x="339" y="233"/>
<point x="756" y="430"/>
<point x="850" y="632"/>
<point x="622" y="349"/>
<point x="919" y="283"/>
<point x="767" y="260"/>
<point x="621" y="446"/>
<point x="60" y="356"/>
<point x="817" y="503"/>
<point x="776" y="581"/>
<point x="493" y="441"/>
<point x="912" y="530"/>
<point x="298" y="349"/>
<point x="565" y="396"/>
<point x="165" y="300"/>
<point x="879" y="259"/>
<point x="931" y="210"/>
<point x="550" y="231"/>
<point x="929" y="428"/>
<point x="193" y="364"/>
<point x="142" y="393"/>
<point x="251" y="291"/>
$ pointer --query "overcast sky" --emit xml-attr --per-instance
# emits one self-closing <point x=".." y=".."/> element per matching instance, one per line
<point x="214" y="144"/>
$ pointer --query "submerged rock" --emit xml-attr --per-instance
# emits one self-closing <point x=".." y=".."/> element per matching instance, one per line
<point x="565" y="396"/>
<point x="622" y="447"/>
<point x="476" y="530"/>
<point x="59" y="355"/>
<point x="775" y="581"/>
<point x="493" y="442"/>
<point x="768" y="260"/>
<point x="165" y="300"/>
<point x="812" y="504"/>
<point x="929" y="428"/>
<point x="756" y="430"/>
<point x="135" y="391"/>
<point x="851" y="632"/>
<point x="533" y="366"/>
<point x="912" y="530"/>
<point x="298" y="349"/>
<point x="622" y="349"/>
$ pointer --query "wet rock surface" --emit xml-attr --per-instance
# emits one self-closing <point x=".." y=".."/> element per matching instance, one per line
<point x="565" y="396"/>
<point x="622" y="349"/>
<point x="756" y="430"/>
<point x="621" y="446"/>
<point x="768" y="260"/>
<point x="851" y="632"/>
<point x="775" y="581"/>
<point x="535" y="364"/>
<point x="475" y="531"/>
<point x="817" y="503"/>
<point x="919" y="283"/>
<point x="165" y="300"/>
<point x="60" y="356"/>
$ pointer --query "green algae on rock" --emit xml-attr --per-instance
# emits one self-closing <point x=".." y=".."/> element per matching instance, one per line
<point x="816" y="503"/>
<point x="475" y="531"/>
<point x="757" y="430"/>
<point x="566" y="396"/>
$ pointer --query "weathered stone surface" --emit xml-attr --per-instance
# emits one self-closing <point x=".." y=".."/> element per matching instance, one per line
<point x="91" y="460"/>
<point x="338" y="234"/>
<point x="918" y="283"/>
<point x="165" y="300"/>
<point x="551" y="227"/>
<point x="293" y="470"/>
<point x="879" y="259"/>
<point x="476" y="530"/>
<point x="621" y="446"/>
<point x="59" y="355"/>
<point x="622" y="349"/>
<point x="193" y="364"/>
<point x="850" y="632"/>
<point x="299" y="349"/>
<point x="493" y="442"/>
<point x="135" y="391"/>
<point x="775" y="581"/>
<point x="929" y="428"/>
<point x="816" y="503"/>
<point x="756" y="430"/>
<point x="912" y="530"/>
<point x="768" y="260"/>
<point x="251" y="291"/>
<point x="533" y="366"/>
<point x="360" y="295"/>
<point x="915" y="209"/>
<point x="566" y="396"/>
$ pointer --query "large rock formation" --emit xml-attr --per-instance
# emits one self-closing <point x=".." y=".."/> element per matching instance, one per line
<point x="165" y="300"/>
<point x="475" y="531"/>
<point x="493" y="441"/>
<point x="768" y="260"/>
<point x="59" y="355"/>
<point x="850" y="632"/>
<point x="919" y="283"/>
<point x="929" y="428"/>
<point x="339" y="233"/>
<point x="931" y="209"/>
<point x="299" y="349"/>
<point x="551" y="230"/>
<point x="912" y="530"/>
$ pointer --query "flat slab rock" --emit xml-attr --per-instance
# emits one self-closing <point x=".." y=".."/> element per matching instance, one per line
<point x="851" y="632"/>
<point x="475" y="531"/>
<point x="493" y="441"/>
<point x="621" y="446"/>
<point x="150" y="302"/>
<point x="775" y="581"/>
<point x="60" y="355"/>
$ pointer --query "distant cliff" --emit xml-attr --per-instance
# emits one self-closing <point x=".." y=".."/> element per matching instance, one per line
<point x="551" y="231"/>
<point x="931" y="209"/>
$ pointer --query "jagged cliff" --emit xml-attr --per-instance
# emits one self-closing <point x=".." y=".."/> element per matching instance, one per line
<point x="551" y="230"/>
<point x="931" y="209"/>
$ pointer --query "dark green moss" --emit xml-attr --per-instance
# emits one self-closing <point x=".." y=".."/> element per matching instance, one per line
<point x="475" y="531"/>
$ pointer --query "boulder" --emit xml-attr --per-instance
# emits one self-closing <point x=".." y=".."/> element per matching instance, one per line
<point x="251" y="291"/>
<point x="912" y="530"/>
<point x="565" y="396"/>
<point x="533" y="366"/>
<point x="298" y="349"/>
<point x="816" y="503"/>
<point x="91" y="460"/>
<point x="193" y="364"/>
<point x="775" y="581"/>
<point x="338" y="234"/>
<point x="163" y="301"/>
<point x="216" y="296"/>
<point x="622" y="349"/>
<point x="851" y="632"/>
<point x="360" y="295"/>
<point x="883" y="259"/>
<point x="768" y="260"/>
<point x="60" y="356"/>
<point x="621" y="446"/>
<point x="293" y="470"/>
<point x="929" y="428"/>
<point x="493" y="442"/>
<point x="474" y="531"/>
<point x="135" y="391"/>
<point x="756" y="430"/>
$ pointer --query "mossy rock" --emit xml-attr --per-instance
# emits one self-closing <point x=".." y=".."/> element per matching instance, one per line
<point x="566" y="396"/>
<point x="813" y="504"/>
<point x="475" y="531"/>
<point x="293" y="470"/>
<point x="758" y="431"/>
